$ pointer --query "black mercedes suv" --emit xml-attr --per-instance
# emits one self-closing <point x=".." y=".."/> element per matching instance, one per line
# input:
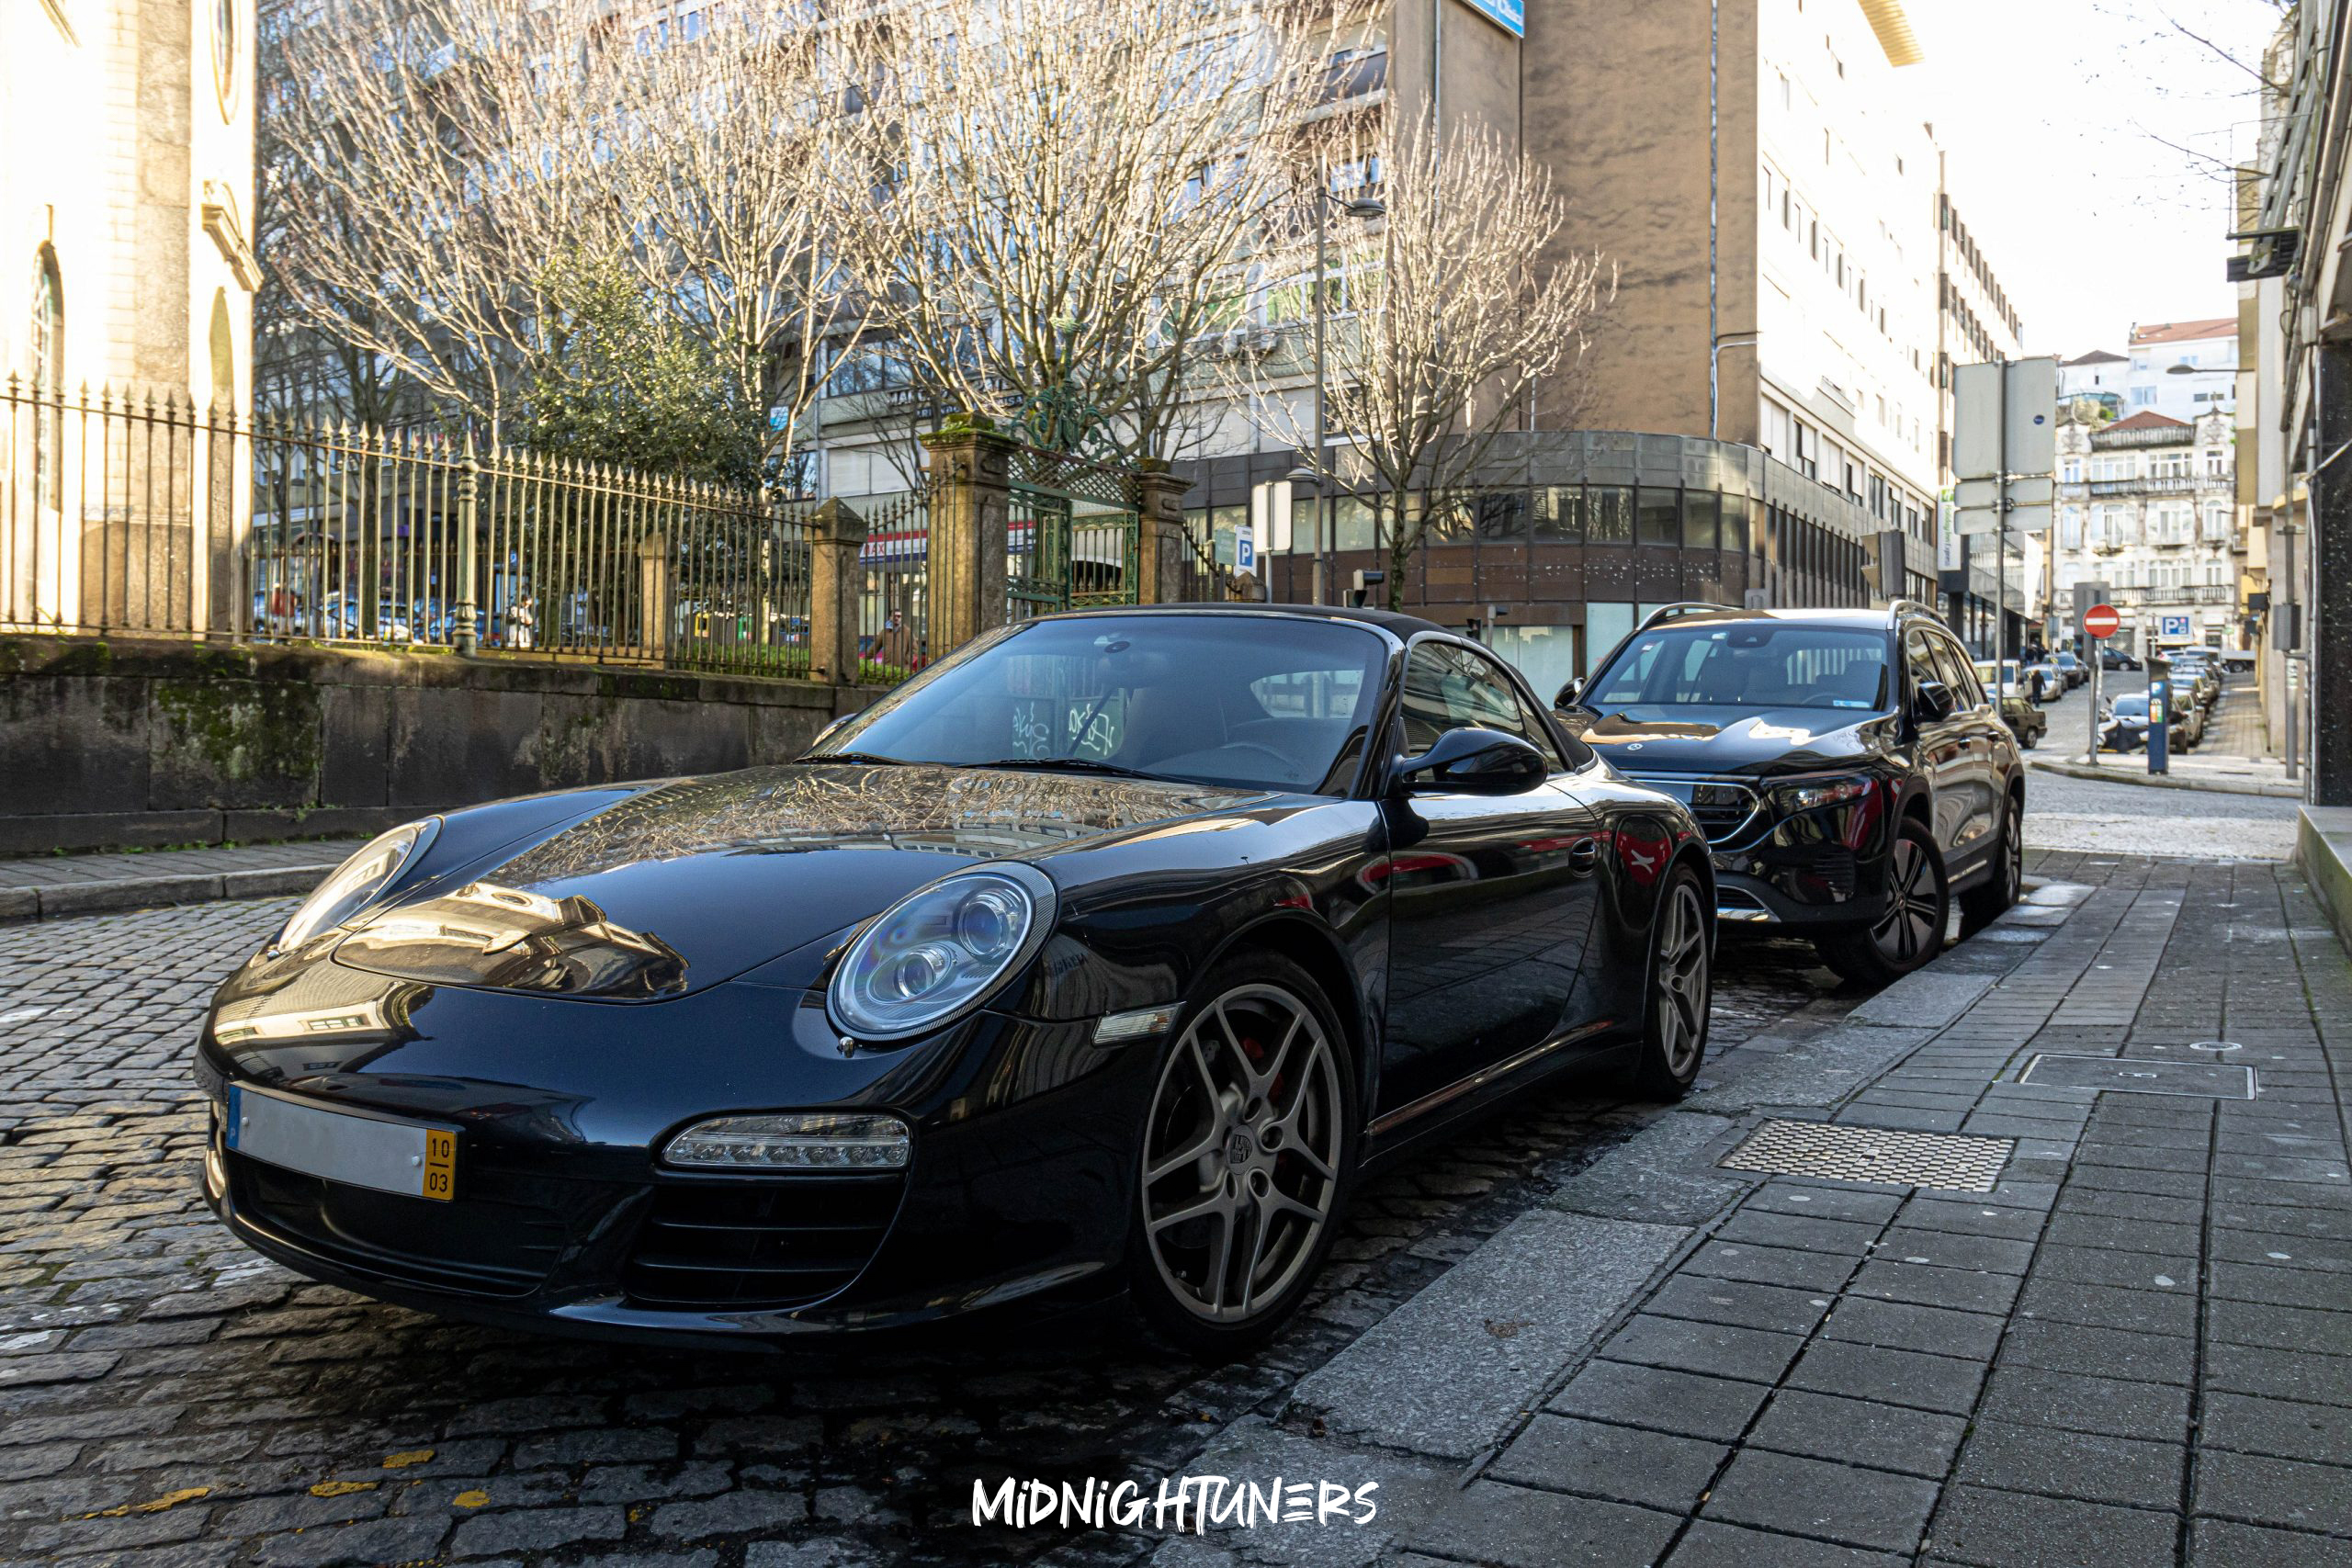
<point x="1853" y="777"/>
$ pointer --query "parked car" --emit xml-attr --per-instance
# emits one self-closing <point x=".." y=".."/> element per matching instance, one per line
<point x="2116" y="658"/>
<point x="2125" y="727"/>
<point x="2044" y="681"/>
<point x="2073" y="669"/>
<point x="338" y="618"/>
<point x="1853" y="777"/>
<point x="1075" y="966"/>
<point x="2000" y="676"/>
<point x="2026" y="721"/>
<point x="2196" y="683"/>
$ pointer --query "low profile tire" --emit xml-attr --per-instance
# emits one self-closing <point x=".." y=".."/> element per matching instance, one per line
<point x="1248" y="1154"/>
<point x="1911" y="931"/>
<point x="1985" y="902"/>
<point x="1680" y="992"/>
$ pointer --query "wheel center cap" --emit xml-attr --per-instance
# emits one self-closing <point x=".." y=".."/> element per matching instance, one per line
<point x="1239" y="1146"/>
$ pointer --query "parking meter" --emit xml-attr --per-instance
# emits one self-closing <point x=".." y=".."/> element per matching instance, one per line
<point x="2160" y="722"/>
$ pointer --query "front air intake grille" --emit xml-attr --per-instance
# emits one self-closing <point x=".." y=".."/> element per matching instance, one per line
<point x="726" y="1245"/>
<point x="1726" y="810"/>
<point x="492" y="1241"/>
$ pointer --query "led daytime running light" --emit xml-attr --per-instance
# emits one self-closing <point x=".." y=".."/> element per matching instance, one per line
<point x="826" y="1140"/>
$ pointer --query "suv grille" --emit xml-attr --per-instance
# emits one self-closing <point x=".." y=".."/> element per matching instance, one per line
<point x="728" y="1245"/>
<point x="1724" y="810"/>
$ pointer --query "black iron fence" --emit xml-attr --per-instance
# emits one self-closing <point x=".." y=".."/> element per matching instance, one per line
<point x="123" y="514"/>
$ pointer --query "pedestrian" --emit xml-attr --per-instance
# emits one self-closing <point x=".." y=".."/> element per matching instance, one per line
<point x="520" y="619"/>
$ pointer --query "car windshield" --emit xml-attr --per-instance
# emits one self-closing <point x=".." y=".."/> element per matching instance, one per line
<point x="2131" y="708"/>
<point x="1271" y="702"/>
<point x="1749" y="664"/>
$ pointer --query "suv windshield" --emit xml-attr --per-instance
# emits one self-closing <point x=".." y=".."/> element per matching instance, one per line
<point x="1749" y="664"/>
<point x="1264" y="701"/>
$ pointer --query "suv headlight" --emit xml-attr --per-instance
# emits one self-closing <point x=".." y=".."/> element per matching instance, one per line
<point x="1809" y="795"/>
<point x="356" y="881"/>
<point x="939" y="951"/>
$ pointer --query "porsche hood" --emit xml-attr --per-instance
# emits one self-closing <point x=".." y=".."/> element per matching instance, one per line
<point x="694" y="882"/>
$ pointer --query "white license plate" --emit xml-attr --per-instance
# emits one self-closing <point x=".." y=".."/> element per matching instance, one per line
<point x="341" y="1146"/>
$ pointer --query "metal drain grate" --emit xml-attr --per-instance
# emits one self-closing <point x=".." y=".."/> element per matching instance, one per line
<point x="1838" y="1153"/>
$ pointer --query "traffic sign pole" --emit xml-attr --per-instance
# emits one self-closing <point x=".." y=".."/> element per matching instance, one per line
<point x="2098" y="624"/>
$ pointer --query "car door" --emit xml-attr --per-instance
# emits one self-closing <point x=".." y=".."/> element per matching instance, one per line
<point x="1944" y="756"/>
<point x="1976" y="722"/>
<point x="1491" y="897"/>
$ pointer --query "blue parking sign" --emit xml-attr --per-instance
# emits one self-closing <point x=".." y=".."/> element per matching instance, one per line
<point x="1245" y="548"/>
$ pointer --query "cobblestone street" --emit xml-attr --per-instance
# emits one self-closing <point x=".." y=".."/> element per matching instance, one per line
<point x="168" y="1397"/>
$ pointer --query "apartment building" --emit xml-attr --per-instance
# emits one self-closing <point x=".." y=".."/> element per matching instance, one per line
<point x="2092" y="384"/>
<point x="2182" y="370"/>
<point x="2147" y="504"/>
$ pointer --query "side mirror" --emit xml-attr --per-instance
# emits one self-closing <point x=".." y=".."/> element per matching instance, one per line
<point x="1567" y="697"/>
<point x="1474" y="761"/>
<point x="1933" y="702"/>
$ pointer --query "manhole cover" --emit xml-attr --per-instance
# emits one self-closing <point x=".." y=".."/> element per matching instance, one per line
<point x="1839" y="1153"/>
<point x="2215" y="1045"/>
<point x="2135" y="1075"/>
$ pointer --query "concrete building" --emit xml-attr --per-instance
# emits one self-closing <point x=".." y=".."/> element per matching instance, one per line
<point x="2148" y="505"/>
<point x="126" y="194"/>
<point x="2182" y="369"/>
<point x="1792" y="275"/>
<point x="2093" y="381"/>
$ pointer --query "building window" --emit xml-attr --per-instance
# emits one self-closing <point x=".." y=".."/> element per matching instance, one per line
<point x="47" y="339"/>
<point x="225" y="69"/>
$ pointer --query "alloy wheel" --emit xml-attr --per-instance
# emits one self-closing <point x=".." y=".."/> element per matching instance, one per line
<point x="2012" y="855"/>
<point x="1682" y="979"/>
<point x="1241" y="1153"/>
<point x="1910" y="923"/>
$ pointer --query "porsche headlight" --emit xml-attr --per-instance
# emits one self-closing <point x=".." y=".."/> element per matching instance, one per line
<point x="356" y="881"/>
<point x="939" y="951"/>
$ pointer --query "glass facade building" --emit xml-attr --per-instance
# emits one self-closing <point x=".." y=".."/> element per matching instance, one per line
<point x="1568" y="537"/>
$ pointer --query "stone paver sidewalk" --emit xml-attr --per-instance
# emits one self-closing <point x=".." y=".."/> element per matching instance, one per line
<point x="2136" y="1348"/>
<point x="46" y="886"/>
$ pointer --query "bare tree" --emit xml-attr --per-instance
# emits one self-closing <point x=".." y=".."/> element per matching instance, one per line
<point x="429" y="155"/>
<point x="1054" y="196"/>
<point x="1456" y="306"/>
<point x="717" y="166"/>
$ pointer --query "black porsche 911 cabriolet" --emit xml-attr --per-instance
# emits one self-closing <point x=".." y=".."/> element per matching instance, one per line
<point x="1102" y="955"/>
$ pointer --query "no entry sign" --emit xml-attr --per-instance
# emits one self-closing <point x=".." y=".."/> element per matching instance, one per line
<point x="2100" y="620"/>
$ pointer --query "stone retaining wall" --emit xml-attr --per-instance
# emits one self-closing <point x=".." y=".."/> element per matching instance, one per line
<point x="117" y="744"/>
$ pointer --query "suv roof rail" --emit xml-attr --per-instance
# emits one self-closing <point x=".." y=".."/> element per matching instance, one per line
<point x="1686" y="607"/>
<point x="1896" y="606"/>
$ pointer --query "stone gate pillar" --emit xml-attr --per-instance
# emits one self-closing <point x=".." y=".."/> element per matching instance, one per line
<point x="836" y="582"/>
<point x="971" y="513"/>
<point x="1161" y="552"/>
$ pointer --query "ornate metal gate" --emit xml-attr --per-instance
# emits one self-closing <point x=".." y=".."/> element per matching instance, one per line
<point x="1074" y="533"/>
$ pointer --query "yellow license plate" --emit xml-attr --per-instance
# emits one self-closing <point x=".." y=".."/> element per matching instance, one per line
<point x="440" y="1165"/>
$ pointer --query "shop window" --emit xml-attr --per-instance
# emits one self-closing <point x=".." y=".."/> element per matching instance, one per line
<point x="1657" y="515"/>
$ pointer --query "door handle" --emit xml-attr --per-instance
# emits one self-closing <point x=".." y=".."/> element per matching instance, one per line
<point x="1584" y="856"/>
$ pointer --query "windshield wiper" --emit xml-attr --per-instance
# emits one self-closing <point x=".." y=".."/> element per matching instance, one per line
<point x="1072" y="764"/>
<point x="872" y="757"/>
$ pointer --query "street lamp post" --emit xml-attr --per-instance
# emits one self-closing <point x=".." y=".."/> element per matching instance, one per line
<point x="1365" y="207"/>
